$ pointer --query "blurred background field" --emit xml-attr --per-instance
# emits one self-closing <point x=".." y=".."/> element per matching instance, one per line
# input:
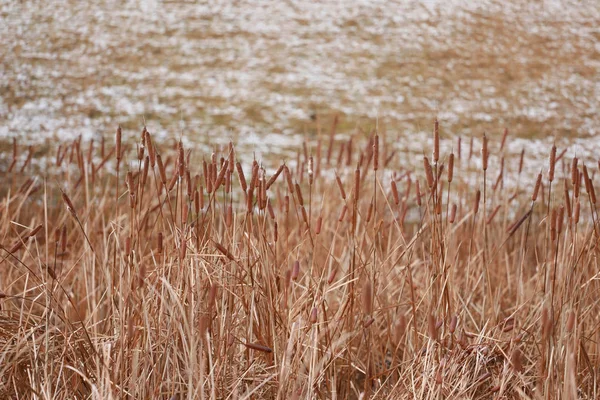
<point x="261" y="73"/>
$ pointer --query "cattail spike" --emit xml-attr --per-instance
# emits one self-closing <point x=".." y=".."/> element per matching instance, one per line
<point x="118" y="143"/>
<point x="69" y="204"/>
<point x="295" y="270"/>
<point x="436" y="142"/>
<point x="484" y="152"/>
<point x="428" y="172"/>
<point x="536" y="189"/>
<point x="395" y="194"/>
<point x="340" y="186"/>
<point x="450" y="167"/>
<point x="574" y="171"/>
<point x="452" y="216"/>
<point x="552" y="162"/>
<point x="367" y="298"/>
<point x="477" y="201"/>
<point x="521" y="160"/>
<point x="504" y="136"/>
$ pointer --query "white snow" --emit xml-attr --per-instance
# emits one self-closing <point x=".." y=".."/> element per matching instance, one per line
<point x="75" y="68"/>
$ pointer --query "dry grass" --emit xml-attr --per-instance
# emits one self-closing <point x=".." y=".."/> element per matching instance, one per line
<point x="166" y="280"/>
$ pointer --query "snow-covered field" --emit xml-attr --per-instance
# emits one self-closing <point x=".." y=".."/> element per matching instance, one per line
<point x="256" y="72"/>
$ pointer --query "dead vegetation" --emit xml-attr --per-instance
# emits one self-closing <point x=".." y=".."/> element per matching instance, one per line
<point x="136" y="269"/>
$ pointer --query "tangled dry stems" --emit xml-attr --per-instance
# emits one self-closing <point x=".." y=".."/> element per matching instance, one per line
<point x="133" y="270"/>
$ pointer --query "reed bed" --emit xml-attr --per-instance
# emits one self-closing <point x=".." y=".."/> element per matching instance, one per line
<point x="144" y="270"/>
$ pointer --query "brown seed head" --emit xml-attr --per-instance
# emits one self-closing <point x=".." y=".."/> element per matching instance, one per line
<point x="223" y="250"/>
<point x="450" y="167"/>
<point x="229" y="216"/>
<point x="516" y="225"/>
<point x="197" y="201"/>
<point x="183" y="249"/>
<point x="288" y="179"/>
<point x="536" y="189"/>
<point x="574" y="171"/>
<point x="576" y="211"/>
<point x="16" y="247"/>
<point x="145" y="170"/>
<point x="567" y="199"/>
<point x="428" y="172"/>
<point x="249" y="200"/>
<point x="299" y="194"/>
<point x="431" y="327"/>
<point x="128" y="246"/>
<point x="220" y="177"/>
<point x="356" y="184"/>
<point x="370" y="212"/>
<point x="241" y="176"/>
<point x="228" y="181"/>
<point x="552" y="162"/>
<point x="515" y="360"/>
<point x="452" y="214"/>
<point x="69" y="204"/>
<point x="395" y="192"/>
<point x="270" y="209"/>
<point x="258" y="347"/>
<point x="313" y="315"/>
<point x="254" y="178"/>
<point x="436" y="141"/>
<point x="521" y="160"/>
<point x="231" y="156"/>
<point x="477" y="200"/>
<point x="151" y="150"/>
<point x="343" y="213"/>
<point x="118" y="143"/>
<point x="367" y="298"/>
<point x="332" y="275"/>
<point x="504" y="136"/>
<point x="161" y="169"/>
<point x="570" y="321"/>
<point x="485" y="152"/>
<point x="560" y="215"/>
<point x="36" y="230"/>
<point x="340" y="186"/>
<point x="275" y="176"/>
<point x="589" y="186"/>
<point x="304" y="214"/>
<point x="453" y="323"/>
<point x="172" y="182"/>
<point x="295" y="270"/>
<point x="546" y="323"/>
<point x="180" y="159"/>
<point x="160" y="242"/>
<point x="577" y="185"/>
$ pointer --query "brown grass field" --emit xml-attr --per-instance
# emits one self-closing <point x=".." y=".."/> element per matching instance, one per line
<point x="207" y="67"/>
<point x="133" y="269"/>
